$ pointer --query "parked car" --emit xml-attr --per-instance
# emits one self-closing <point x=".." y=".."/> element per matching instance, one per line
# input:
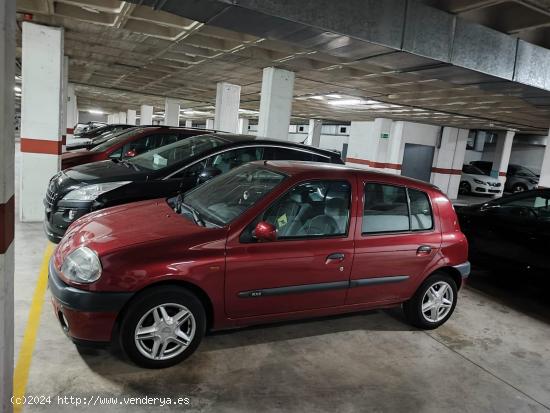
<point x="266" y="241"/>
<point x="161" y="172"/>
<point x="518" y="178"/>
<point x="127" y="144"/>
<point x="81" y="128"/>
<point x="95" y="136"/>
<point x="474" y="181"/>
<point x="510" y="232"/>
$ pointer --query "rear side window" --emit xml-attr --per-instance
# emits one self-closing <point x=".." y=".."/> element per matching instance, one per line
<point x="391" y="208"/>
<point x="284" y="154"/>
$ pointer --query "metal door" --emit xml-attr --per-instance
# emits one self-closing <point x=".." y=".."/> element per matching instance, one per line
<point x="417" y="161"/>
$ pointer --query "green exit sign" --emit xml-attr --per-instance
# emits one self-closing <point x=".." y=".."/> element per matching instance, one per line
<point x="384" y="135"/>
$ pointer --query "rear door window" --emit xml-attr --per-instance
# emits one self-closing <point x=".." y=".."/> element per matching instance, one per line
<point x="287" y="154"/>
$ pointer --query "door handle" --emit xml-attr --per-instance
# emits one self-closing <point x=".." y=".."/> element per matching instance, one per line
<point x="335" y="257"/>
<point x="424" y="250"/>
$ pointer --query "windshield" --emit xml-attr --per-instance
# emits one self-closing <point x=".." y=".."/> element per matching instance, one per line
<point x="176" y="152"/>
<point x="523" y="171"/>
<point x="112" y="138"/>
<point x="473" y="170"/>
<point x="228" y="196"/>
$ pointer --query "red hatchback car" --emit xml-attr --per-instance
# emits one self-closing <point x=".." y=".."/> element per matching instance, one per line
<point x="127" y="144"/>
<point x="267" y="241"/>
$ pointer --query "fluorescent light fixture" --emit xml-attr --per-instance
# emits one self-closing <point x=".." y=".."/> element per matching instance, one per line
<point x="346" y="102"/>
<point x="317" y="97"/>
<point x="379" y="107"/>
<point x="248" y="112"/>
<point x="17" y="88"/>
<point x="96" y="111"/>
<point x="334" y="96"/>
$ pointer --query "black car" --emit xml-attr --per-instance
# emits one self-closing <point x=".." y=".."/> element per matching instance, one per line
<point x="513" y="231"/>
<point x="96" y="136"/>
<point x="162" y="172"/>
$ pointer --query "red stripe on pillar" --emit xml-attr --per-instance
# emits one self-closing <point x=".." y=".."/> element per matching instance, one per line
<point x="372" y="164"/>
<point x="502" y="173"/>
<point x="70" y="131"/>
<point x="7" y="224"/>
<point x="41" y="146"/>
<point x="447" y="171"/>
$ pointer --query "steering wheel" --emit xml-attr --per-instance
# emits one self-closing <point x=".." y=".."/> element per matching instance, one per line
<point x="320" y="225"/>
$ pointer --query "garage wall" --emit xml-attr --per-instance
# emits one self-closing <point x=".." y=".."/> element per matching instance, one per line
<point x="85" y="117"/>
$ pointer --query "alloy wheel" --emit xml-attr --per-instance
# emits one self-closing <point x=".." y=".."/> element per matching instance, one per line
<point x="165" y="331"/>
<point x="437" y="301"/>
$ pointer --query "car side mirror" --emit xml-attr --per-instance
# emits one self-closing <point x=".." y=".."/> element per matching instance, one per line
<point x="130" y="154"/>
<point x="265" y="232"/>
<point x="208" y="173"/>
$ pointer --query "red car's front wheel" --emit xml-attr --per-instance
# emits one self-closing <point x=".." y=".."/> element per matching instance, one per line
<point x="162" y="327"/>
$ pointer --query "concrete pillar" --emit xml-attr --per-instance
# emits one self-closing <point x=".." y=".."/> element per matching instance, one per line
<point x="188" y="123"/>
<point x="228" y="99"/>
<point x="276" y="103"/>
<point x="544" y="181"/>
<point x="146" y="115"/>
<point x="131" y="117"/>
<point x="64" y="96"/>
<point x="479" y="144"/>
<point x="502" y="155"/>
<point x="243" y="126"/>
<point x="448" y="160"/>
<point x="314" y="133"/>
<point x="394" y="148"/>
<point x="7" y="148"/>
<point x="171" y="112"/>
<point x="72" y="112"/>
<point x="116" y="117"/>
<point x="41" y="129"/>
<point x="122" y="117"/>
<point x="209" y="124"/>
<point x="368" y="143"/>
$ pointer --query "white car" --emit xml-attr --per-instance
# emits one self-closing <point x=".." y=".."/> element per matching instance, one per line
<point x="474" y="181"/>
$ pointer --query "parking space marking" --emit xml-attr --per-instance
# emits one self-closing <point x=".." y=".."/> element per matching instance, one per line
<point x="21" y="372"/>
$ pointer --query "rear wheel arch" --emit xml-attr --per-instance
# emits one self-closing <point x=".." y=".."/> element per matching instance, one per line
<point x="453" y="272"/>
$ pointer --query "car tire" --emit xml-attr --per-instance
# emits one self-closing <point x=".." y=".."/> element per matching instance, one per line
<point x="417" y="310"/>
<point x="519" y="188"/>
<point x="157" y="313"/>
<point x="465" y="188"/>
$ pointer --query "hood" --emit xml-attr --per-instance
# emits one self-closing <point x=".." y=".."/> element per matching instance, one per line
<point x="139" y="223"/>
<point x="74" y="158"/>
<point x="104" y="171"/>
<point x="484" y="178"/>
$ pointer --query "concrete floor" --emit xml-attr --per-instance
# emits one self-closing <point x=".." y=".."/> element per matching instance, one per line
<point x="493" y="355"/>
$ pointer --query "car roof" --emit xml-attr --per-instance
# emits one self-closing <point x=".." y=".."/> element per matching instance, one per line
<point x="308" y="169"/>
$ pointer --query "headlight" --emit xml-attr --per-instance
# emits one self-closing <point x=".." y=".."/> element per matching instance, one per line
<point x="82" y="265"/>
<point x="477" y="181"/>
<point x="91" y="192"/>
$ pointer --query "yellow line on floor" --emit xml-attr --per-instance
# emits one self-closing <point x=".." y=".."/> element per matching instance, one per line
<point x="21" y="373"/>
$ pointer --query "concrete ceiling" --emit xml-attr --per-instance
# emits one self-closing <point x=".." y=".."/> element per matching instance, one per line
<point x="123" y="55"/>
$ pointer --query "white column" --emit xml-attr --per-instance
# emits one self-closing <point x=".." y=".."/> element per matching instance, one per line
<point x="395" y="148"/>
<point x="146" y="115"/>
<point x="64" y="96"/>
<point x="368" y="143"/>
<point x="189" y="123"/>
<point x="276" y="103"/>
<point x="7" y="145"/>
<point x="171" y="112"/>
<point x="544" y="181"/>
<point x="122" y="117"/>
<point x="228" y="99"/>
<point x="209" y="124"/>
<point x="42" y="58"/>
<point x="115" y="118"/>
<point x="502" y="155"/>
<point x="314" y="133"/>
<point x="72" y="112"/>
<point x="131" y="117"/>
<point x="447" y="166"/>
<point x="243" y="126"/>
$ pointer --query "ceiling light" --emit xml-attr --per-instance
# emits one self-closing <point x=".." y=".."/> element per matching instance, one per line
<point x="334" y="96"/>
<point x="317" y="97"/>
<point x="17" y="88"/>
<point x="248" y="112"/>
<point x="96" y="111"/>
<point x="379" y="107"/>
<point x="346" y="102"/>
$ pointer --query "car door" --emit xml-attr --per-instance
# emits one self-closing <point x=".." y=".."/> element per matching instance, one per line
<point x="308" y="266"/>
<point x="396" y="240"/>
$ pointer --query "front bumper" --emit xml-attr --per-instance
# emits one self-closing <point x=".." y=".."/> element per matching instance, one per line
<point x="486" y="189"/>
<point x="85" y="315"/>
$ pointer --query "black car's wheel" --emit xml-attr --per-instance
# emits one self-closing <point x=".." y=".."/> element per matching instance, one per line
<point x="519" y="187"/>
<point x="433" y="303"/>
<point x="464" y="188"/>
<point x="162" y="327"/>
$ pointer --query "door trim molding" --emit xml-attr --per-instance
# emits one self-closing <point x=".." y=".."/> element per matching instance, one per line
<point x="308" y="288"/>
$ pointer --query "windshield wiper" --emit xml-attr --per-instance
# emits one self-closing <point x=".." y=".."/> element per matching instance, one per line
<point x="196" y="216"/>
